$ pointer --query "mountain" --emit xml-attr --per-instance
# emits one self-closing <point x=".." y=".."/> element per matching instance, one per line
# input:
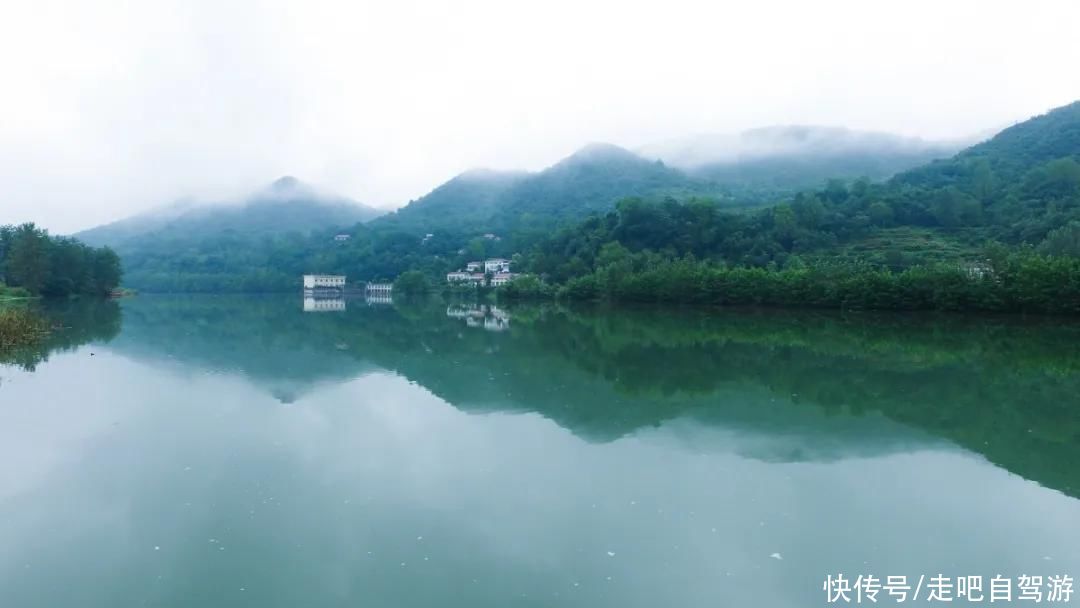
<point x="1010" y="155"/>
<point x="1008" y="206"/>
<point x="774" y="162"/>
<point x="1016" y="189"/>
<point x="465" y="201"/>
<point x="148" y="221"/>
<point x="286" y="205"/>
<point x="590" y="180"/>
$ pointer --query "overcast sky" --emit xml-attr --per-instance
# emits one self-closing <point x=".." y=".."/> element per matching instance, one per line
<point x="109" y="108"/>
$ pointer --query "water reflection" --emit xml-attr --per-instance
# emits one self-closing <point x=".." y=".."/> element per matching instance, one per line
<point x="487" y="316"/>
<point x="225" y="451"/>
<point x="72" y="323"/>
<point x="313" y="304"/>
<point x="809" y="386"/>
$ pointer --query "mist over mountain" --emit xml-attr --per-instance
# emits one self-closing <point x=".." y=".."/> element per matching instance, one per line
<point x="462" y="201"/>
<point x="1015" y="189"/>
<point x="588" y="181"/>
<point x="286" y="205"/>
<point x="772" y="162"/>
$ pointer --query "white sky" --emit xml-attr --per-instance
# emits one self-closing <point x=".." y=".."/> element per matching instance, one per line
<point x="109" y="108"/>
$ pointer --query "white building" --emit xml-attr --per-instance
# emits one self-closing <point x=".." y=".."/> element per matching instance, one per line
<point x="342" y="237"/>
<point x="496" y="265"/>
<point x="464" y="277"/>
<point x="502" y="278"/>
<point x="379" y="289"/>
<point x="474" y="266"/>
<point x="324" y="281"/>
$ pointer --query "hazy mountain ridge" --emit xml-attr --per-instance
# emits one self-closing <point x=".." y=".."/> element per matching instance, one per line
<point x="789" y="141"/>
<point x="484" y="213"/>
<point x="1010" y="154"/>
<point x="755" y="166"/>
<point x="286" y="205"/>
<point x="589" y="180"/>
<point x="773" y="162"/>
<point x="1013" y="200"/>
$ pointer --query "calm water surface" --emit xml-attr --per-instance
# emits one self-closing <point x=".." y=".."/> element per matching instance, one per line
<point x="239" y="451"/>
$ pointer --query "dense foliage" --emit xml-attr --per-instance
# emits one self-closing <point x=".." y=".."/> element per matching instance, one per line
<point x="51" y="266"/>
<point x="412" y="283"/>
<point x="1016" y="282"/>
<point x="921" y="240"/>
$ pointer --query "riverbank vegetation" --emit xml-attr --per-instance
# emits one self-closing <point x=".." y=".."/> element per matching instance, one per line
<point x="38" y="264"/>
<point x="1010" y="282"/>
<point x="20" y="327"/>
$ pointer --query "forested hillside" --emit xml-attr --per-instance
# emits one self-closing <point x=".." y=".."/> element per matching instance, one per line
<point x="192" y="246"/>
<point x="1019" y="190"/>
<point x="513" y="209"/>
<point x="34" y="263"/>
<point x="287" y="205"/>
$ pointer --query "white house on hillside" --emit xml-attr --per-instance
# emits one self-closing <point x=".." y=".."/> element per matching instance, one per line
<point x="465" y="277"/>
<point x="501" y="278"/>
<point x="496" y="265"/>
<point x="498" y="268"/>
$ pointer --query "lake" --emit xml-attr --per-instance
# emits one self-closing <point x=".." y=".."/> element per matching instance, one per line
<point x="208" y="451"/>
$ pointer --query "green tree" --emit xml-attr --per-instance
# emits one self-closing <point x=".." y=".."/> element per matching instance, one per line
<point x="1063" y="241"/>
<point x="881" y="214"/>
<point x="411" y="283"/>
<point x="27" y="263"/>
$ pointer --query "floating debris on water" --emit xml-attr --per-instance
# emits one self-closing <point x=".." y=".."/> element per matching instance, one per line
<point x="776" y="556"/>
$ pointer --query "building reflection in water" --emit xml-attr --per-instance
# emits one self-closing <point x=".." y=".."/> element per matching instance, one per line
<point x="312" y="304"/>
<point x="374" y="298"/>
<point x="487" y="316"/>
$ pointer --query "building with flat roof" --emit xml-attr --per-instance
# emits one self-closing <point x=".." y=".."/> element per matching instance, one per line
<point x="324" y="281"/>
<point x="458" y="276"/>
<point x="502" y="278"/>
<point x="496" y="265"/>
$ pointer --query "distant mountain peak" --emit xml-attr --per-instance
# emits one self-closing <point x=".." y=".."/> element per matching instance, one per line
<point x="600" y="152"/>
<point x="285" y="205"/>
<point x="285" y="182"/>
